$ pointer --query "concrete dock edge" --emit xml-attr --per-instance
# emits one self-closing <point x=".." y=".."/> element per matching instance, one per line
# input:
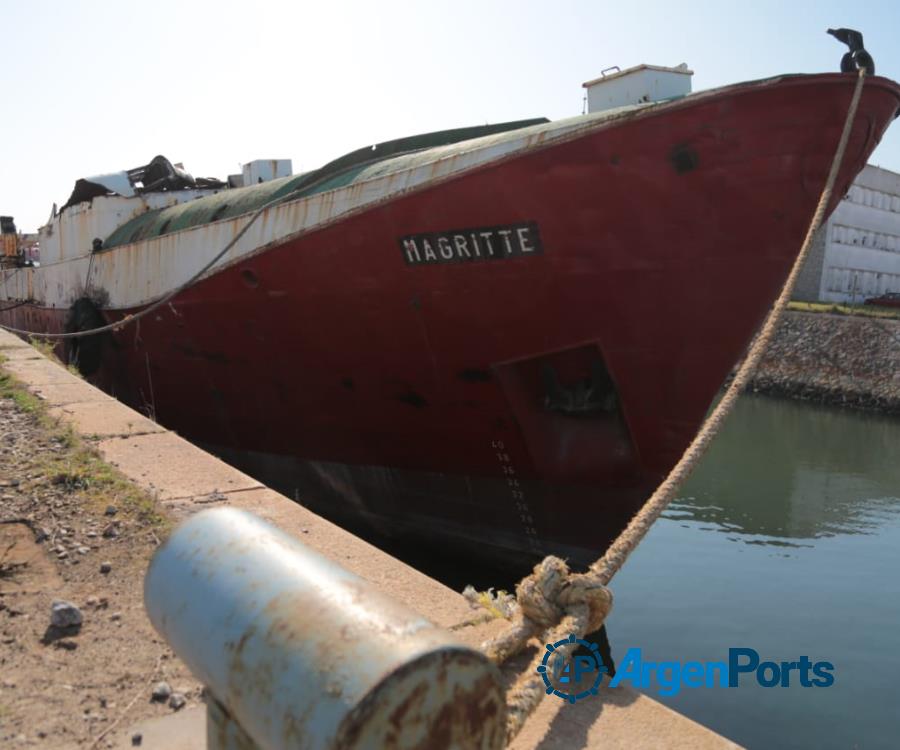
<point x="185" y="479"/>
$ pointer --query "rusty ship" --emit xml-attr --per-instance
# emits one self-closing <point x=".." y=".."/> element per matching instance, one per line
<point x="497" y="338"/>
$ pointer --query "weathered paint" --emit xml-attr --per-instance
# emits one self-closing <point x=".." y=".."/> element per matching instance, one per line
<point x="128" y="272"/>
<point x="302" y="653"/>
<point x="642" y="83"/>
<point x="325" y="356"/>
<point x="133" y="274"/>
<point x="70" y="234"/>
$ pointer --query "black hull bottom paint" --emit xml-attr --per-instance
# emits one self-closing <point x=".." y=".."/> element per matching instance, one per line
<point x="447" y="512"/>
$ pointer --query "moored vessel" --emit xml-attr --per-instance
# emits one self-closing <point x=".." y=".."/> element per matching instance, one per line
<point x="498" y="337"/>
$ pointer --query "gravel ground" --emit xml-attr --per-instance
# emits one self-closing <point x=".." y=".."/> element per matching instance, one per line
<point x="839" y="360"/>
<point x="75" y="540"/>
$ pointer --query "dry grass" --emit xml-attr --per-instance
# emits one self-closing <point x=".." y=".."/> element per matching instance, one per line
<point x="866" y="311"/>
<point x="80" y="467"/>
<point x="69" y="690"/>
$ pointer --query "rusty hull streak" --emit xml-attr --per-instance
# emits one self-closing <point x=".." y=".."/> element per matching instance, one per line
<point x="191" y="353"/>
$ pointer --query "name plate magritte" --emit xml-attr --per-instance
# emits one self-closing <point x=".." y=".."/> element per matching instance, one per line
<point x="470" y="245"/>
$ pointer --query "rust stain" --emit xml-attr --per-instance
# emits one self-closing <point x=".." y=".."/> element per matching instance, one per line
<point x="413" y="701"/>
<point x="472" y="717"/>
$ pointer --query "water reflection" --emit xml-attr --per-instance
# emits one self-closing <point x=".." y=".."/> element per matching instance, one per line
<point x="783" y="472"/>
<point x="804" y="504"/>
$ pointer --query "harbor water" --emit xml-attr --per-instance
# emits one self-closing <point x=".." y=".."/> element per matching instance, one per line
<point x="785" y="540"/>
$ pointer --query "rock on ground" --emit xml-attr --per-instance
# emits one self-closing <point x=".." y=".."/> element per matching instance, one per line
<point x="161" y="691"/>
<point x="64" y="614"/>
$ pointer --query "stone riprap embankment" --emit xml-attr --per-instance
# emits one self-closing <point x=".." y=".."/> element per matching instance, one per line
<point x="841" y="360"/>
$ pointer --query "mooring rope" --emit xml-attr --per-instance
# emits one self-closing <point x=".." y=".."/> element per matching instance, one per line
<point x="557" y="603"/>
<point x="14" y="305"/>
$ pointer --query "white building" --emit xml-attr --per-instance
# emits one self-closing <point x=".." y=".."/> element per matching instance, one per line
<point x="857" y="254"/>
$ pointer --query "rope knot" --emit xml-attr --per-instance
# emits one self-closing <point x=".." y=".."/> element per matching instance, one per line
<point x="551" y="592"/>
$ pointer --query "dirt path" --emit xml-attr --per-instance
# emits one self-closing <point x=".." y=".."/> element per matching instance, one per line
<point x="73" y="529"/>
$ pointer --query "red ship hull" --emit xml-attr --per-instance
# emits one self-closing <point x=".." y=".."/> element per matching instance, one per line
<point x="419" y="398"/>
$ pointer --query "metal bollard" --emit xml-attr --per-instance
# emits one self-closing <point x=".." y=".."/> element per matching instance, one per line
<point x="298" y="652"/>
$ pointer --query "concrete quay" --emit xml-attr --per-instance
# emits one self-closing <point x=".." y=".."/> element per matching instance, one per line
<point x="185" y="479"/>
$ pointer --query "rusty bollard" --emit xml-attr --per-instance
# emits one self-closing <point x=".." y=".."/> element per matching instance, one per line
<point x="295" y="651"/>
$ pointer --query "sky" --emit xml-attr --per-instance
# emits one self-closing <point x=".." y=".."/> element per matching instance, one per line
<point x="90" y="87"/>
